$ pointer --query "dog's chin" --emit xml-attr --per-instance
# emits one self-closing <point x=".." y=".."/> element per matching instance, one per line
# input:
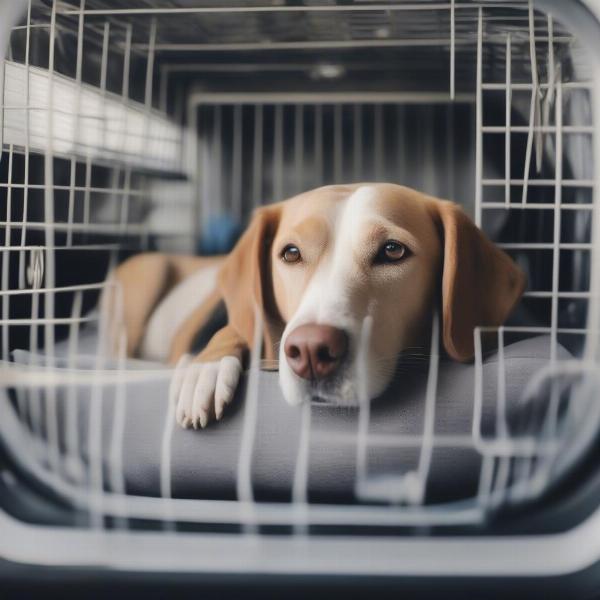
<point x="340" y="391"/>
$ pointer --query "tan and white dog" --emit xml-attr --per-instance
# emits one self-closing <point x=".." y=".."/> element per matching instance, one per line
<point x="312" y="268"/>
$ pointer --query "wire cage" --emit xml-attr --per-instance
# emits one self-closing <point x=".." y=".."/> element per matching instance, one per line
<point x="132" y="127"/>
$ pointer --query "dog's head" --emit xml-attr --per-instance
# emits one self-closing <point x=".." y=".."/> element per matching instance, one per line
<point x="315" y="267"/>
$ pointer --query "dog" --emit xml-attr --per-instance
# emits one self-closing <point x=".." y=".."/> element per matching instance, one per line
<point x="305" y="274"/>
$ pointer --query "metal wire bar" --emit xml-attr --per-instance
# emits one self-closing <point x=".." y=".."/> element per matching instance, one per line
<point x="497" y="453"/>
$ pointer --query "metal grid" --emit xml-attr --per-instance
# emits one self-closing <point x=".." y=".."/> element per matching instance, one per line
<point x="513" y="50"/>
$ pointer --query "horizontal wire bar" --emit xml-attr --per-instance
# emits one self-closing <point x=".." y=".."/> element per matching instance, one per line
<point x="544" y="246"/>
<point x="376" y="7"/>
<point x="535" y="206"/>
<point x="81" y="247"/>
<point x="319" y="44"/>
<point x="68" y="188"/>
<point x="550" y="294"/>
<point x="542" y="182"/>
<point x="572" y="129"/>
<point x="538" y="329"/>
<point x="116" y="228"/>
<point x="49" y="321"/>
<point x="515" y="446"/>
<point x="349" y="97"/>
<point x="56" y="289"/>
<point x="568" y="85"/>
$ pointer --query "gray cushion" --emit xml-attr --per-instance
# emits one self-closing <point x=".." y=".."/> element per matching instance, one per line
<point x="204" y="463"/>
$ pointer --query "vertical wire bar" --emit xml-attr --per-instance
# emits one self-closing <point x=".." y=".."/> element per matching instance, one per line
<point x="125" y="195"/>
<point x="126" y="63"/>
<point x="216" y="197"/>
<point x="479" y="121"/>
<point x="558" y="180"/>
<point x="337" y="143"/>
<point x="245" y="493"/>
<point x="166" y="490"/>
<point x="450" y="153"/>
<point x="50" y="279"/>
<point x="116" y="473"/>
<point x="299" y="146"/>
<point x="319" y="144"/>
<point x="35" y="401"/>
<point x="257" y="156"/>
<point x="552" y="414"/>
<point x="428" y="441"/>
<point x="115" y="195"/>
<point x="163" y="81"/>
<point x="378" y="143"/>
<point x="535" y="81"/>
<point x="78" y="75"/>
<point x="528" y="148"/>
<point x="94" y="432"/>
<point x="197" y="169"/>
<point x="78" y="69"/>
<point x="103" y="70"/>
<point x="501" y="422"/>
<point x="533" y="109"/>
<point x="592" y="339"/>
<point x="487" y="461"/>
<point x="124" y="212"/>
<point x="147" y="135"/>
<point x="22" y="253"/>
<point x="507" y="121"/>
<point x="104" y="63"/>
<point x="203" y="166"/>
<point x="178" y="112"/>
<point x="150" y="66"/>
<point x="236" y="173"/>
<point x="401" y="151"/>
<point x="551" y="73"/>
<point x="87" y="191"/>
<point x="301" y="470"/>
<point x="452" y="50"/>
<point x="357" y="143"/>
<point x="74" y="464"/>
<point x="71" y="207"/>
<point x="364" y="410"/>
<point x="278" y="154"/>
<point x="6" y="258"/>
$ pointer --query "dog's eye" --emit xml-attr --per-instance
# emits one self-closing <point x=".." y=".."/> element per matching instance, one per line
<point x="391" y="251"/>
<point x="291" y="254"/>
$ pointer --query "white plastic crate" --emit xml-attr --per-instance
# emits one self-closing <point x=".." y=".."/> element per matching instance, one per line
<point x="148" y="102"/>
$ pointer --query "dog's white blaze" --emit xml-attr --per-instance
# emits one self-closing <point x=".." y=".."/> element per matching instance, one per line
<point x="327" y="298"/>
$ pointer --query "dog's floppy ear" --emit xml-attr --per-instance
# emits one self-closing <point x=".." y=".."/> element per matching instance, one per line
<point x="480" y="283"/>
<point x="245" y="281"/>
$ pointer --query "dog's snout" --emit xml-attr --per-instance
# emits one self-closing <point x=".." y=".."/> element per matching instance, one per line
<point x="315" y="351"/>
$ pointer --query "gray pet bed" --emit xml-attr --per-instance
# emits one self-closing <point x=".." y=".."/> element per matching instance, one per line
<point x="204" y="463"/>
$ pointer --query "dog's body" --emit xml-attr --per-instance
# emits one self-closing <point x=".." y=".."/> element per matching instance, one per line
<point x="307" y="274"/>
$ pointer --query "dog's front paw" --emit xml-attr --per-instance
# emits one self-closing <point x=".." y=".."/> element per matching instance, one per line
<point x="202" y="390"/>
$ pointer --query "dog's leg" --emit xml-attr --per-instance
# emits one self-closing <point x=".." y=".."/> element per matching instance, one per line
<point x="210" y="379"/>
<point x="184" y="337"/>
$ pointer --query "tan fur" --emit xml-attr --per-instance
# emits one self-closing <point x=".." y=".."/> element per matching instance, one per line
<point x="143" y="280"/>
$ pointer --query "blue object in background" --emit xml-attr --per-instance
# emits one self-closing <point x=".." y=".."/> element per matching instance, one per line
<point x="219" y="235"/>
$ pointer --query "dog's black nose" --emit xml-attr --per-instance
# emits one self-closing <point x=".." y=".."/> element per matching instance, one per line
<point x="315" y="351"/>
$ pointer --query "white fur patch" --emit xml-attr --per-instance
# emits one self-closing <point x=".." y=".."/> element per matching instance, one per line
<point x="326" y="299"/>
<point x="173" y="310"/>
